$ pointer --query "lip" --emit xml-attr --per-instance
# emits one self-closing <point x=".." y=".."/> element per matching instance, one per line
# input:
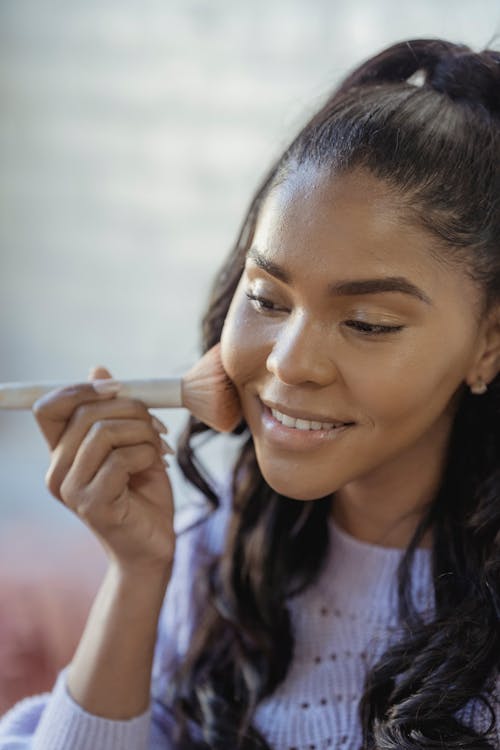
<point x="299" y="414"/>
<point x="291" y="438"/>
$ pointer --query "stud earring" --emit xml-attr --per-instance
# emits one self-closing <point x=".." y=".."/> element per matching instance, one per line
<point x="479" y="388"/>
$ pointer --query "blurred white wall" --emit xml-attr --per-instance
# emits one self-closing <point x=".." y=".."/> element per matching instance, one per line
<point x="132" y="135"/>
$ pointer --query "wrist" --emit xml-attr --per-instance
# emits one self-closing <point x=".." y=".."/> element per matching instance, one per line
<point x="143" y="585"/>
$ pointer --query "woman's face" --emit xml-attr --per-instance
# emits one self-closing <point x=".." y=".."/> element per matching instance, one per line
<point x="323" y="342"/>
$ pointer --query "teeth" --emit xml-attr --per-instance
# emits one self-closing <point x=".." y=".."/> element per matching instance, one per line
<point x="301" y="424"/>
<point x="305" y="424"/>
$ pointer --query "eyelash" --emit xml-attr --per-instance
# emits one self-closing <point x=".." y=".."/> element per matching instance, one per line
<point x="373" y="330"/>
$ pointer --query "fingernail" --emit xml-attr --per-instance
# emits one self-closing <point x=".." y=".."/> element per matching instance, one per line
<point x="166" y="448"/>
<point x="159" y="426"/>
<point x="108" y="385"/>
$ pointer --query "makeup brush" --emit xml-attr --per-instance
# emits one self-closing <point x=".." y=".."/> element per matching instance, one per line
<point x="205" y="390"/>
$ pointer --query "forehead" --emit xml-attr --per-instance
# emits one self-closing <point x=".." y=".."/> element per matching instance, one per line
<point x="323" y="228"/>
<point x="352" y="218"/>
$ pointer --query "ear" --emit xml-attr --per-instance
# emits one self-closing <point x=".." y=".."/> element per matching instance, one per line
<point x="486" y="364"/>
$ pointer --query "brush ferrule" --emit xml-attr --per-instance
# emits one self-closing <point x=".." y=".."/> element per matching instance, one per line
<point x="154" y="392"/>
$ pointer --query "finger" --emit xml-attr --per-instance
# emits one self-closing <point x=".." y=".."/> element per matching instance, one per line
<point x="77" y="427"/>
<point x="53" y="410"/>
<point x="98" y="373"/>
<point x="110" y="482"/>
<point x="86" y="415"/>
<point x="85" y="448"/>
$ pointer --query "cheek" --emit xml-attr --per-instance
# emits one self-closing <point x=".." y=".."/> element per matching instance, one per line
<point x="242" y="346"/>
<point x="388" y="389"/>
<point x="414" y="383"/>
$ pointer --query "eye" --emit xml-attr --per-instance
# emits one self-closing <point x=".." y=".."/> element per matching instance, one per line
<point x="371" y="329"/>
<point x="261" y="303"/>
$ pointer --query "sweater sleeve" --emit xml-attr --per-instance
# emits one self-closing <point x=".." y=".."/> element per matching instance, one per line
<point x="54" y="721"/>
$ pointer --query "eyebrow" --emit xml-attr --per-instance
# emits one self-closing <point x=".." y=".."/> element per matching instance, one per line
<point x="347" y="287"/>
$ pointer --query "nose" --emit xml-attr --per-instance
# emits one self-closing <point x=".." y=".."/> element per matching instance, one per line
<point x="300" y="354"/>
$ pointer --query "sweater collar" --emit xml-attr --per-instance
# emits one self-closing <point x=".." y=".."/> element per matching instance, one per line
<point x="356" y="546"/>
<point x="364" y="575"/>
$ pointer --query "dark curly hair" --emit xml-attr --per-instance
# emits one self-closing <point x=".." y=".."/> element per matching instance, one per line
<point x="437" y="144"/>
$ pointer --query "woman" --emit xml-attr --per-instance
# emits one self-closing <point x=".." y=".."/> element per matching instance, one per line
<point x="345" y="591"/>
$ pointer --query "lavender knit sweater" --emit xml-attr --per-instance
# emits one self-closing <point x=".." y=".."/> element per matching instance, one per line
<point x="342" y="624"/>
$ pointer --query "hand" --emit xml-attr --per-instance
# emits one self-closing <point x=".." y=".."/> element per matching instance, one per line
<point x="106" y="467"/>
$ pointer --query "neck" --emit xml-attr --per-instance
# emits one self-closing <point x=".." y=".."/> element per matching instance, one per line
<point x="382" y="531"/>
<point x="385" y="506"/>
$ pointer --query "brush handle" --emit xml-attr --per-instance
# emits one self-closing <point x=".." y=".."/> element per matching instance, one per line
<point x="153" y="392"/>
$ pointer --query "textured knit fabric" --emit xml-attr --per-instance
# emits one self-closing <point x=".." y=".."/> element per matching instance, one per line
<point x="342" y="624"/>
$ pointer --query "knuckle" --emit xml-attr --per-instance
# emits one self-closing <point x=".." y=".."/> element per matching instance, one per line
<point x="118" y="459"/>
<point x="39" y="407"/>
<point x="81" y="413"/>
<point x="55" y="474"/>
<point x="67" y="492"/>
<point x="82" y="507"/>
<point x="97" y="429"/>
<point x="44" y="405"/>
<point x="52" y="482"/>
<point x="80" y="503"/>
<point x="50" y="401"/>
<point x="140" y="409"/>
<point x="101" y="430"/>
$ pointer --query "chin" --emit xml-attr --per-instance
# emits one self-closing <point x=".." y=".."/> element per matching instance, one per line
<point x="294" y="490"/>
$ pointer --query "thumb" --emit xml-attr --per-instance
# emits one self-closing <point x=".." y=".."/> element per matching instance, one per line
<point x="98" y="373"/>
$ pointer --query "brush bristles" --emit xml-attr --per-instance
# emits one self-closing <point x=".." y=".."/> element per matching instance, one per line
<point x="210" y="395"/>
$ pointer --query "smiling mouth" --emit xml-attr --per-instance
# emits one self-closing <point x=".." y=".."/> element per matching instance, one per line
<point x="305" y="424"/>
<point x="301" y="435"/>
